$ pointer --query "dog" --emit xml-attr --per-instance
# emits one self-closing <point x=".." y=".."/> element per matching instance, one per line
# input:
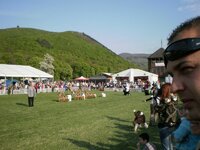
<point x="139" y="120"/>
<point x="103" y="94"/>
<point x="61" y="97"/>
<point x="126" y="90"/>
<point x="69" y="98"/>
<point x="89" y="95"/>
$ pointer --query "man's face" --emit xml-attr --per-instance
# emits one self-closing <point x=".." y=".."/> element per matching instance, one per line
<point x="186" y="81"/>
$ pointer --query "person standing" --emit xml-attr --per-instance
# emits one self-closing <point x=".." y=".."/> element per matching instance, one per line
<point x="167" y="116"/>
<point x="31" y="94"/>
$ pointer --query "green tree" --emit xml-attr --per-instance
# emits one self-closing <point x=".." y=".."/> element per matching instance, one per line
<point x="82" y="69"/>
<point x="77" y="67"/>
<point x="63" y="71"/>
<point x="69" y="72"/>
<point x="85" y="70"/>
<point x="66" y="72"/>
<point x="34" y="62"/>
<point x="109" y="69"/>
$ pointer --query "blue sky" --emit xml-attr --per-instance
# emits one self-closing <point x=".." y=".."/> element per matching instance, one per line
<point x="132" y="26"/>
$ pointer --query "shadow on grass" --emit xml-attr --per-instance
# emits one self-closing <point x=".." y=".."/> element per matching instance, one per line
<point x="116" y="119"/>
<point x="22" y="104"/>
<point x="124" y="137"/>
<point x="85" y="144"/>
<point x="101" y="146"/>
<point x="54" y="100"/>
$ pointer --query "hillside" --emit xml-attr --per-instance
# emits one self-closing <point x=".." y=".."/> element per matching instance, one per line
<point x="141" y="60"/>
<point x="73" y="52"/>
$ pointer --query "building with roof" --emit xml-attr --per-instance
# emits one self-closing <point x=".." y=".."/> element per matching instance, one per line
<point x="101" y="78"/>
<point x="156" y="63"/>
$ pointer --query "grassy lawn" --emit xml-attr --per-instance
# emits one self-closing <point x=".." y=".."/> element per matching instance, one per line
<point x="92" y="124"/>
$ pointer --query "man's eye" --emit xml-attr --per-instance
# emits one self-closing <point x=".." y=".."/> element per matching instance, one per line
<point x="186" y="69"/>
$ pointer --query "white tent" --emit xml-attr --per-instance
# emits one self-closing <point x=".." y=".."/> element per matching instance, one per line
<point x="136" y="73"/>
<point x="22" y="71"/>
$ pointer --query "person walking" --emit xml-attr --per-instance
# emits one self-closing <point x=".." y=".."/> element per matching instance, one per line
<point x="31" y="94"/>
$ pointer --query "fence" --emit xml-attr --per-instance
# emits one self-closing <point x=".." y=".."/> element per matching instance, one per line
<point x="24" y="91"/>
<point x="49" y="90"/>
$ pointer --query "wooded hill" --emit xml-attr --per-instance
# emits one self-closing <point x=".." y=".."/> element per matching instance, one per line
<point x="74" y="53"/>
<point x="140" y="59"/>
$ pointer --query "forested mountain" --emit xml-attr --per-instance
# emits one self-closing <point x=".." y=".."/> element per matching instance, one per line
<point x="74" y="53"/>
<point x="141" y="60"/>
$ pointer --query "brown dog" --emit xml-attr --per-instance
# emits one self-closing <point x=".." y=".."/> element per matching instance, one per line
<point x="139" y="120"/>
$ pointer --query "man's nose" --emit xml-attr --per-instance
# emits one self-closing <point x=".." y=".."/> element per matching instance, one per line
<point x="177" y="85"/>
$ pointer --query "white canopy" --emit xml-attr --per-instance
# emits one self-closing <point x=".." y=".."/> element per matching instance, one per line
<point x="131" y="73"/>
<point x="81" y="78"/>
<point x="22" y="71"/>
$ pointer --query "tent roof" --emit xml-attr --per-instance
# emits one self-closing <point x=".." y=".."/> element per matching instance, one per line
<point x="98" y="77"/>
<point x="81" y="78"/>
<point x="22" y="71"/>
<point x="133" y="72"/>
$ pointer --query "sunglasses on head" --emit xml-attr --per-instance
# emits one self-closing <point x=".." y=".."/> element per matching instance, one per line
<point x="181" y="48"/>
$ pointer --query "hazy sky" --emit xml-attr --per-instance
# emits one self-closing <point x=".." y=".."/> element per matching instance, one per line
<point x="133" y="26"/>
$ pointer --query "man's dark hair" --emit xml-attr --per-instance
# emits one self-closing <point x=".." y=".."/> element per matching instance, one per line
<point x="194" y="22"/>
<point x="144" y="136"/>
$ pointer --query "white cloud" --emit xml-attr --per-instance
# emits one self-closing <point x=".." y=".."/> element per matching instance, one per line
<point x="190" y="5"/>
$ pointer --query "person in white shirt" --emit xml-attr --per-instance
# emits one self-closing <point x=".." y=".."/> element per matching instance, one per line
<point x="31" y="94"/>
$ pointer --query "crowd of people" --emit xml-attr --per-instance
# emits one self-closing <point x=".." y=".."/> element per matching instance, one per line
<point x="19" y="87"/>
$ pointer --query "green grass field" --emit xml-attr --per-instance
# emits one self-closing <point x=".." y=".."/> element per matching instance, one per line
<point x="91" y="124"/>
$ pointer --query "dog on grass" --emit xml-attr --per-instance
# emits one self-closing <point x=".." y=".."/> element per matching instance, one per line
<point x="103" y="94"/>
<point x="139" y="120"/>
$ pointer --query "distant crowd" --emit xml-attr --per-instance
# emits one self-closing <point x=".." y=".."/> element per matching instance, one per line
<point x="16" y="87"/>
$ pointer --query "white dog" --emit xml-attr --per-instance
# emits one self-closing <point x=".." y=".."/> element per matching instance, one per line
<point x="69" y="97"/>
<point x="103" y="94"/>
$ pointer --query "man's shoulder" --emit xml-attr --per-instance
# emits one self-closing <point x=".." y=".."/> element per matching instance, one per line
<point x="150" y="146"/>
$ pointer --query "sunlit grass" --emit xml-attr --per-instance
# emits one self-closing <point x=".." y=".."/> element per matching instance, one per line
<point x="100" y="123"/>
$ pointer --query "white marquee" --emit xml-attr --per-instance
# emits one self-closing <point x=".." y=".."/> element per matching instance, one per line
<point x="131" y="73"/>
<point x="22" y="71"/>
